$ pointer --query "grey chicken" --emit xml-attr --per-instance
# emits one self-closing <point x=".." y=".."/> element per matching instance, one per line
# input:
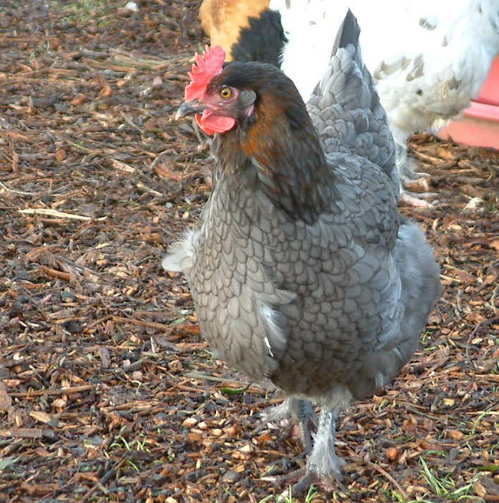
<point x="302" y="272"/>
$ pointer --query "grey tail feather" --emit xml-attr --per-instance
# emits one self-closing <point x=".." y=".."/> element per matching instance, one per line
<point x="348" y="33"/>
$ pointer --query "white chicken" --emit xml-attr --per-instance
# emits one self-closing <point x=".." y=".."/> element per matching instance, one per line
<point x="428" y="58"/>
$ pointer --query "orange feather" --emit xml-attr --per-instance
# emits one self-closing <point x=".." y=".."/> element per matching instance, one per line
<point x="222" y="20"/>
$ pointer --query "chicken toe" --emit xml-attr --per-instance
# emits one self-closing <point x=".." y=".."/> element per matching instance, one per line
<point x="417" y="200"/>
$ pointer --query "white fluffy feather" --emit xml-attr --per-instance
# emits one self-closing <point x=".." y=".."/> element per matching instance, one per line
<point x="275" y="339"/>
<point x="180" y="254"/>
<point x="429" y="57"/>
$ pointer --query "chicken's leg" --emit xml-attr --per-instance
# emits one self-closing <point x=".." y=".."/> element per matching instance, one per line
<point x="323" y="465"/>
<point x="303" y="413"/>
<point x="323" y="460"/>
<point x="299" y="411"/>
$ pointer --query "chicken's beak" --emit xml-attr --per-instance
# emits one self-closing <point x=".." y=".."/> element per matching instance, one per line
<point x="189" y="107"/>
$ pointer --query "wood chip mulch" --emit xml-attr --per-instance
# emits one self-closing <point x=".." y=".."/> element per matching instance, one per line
<point x="107" y="391"/>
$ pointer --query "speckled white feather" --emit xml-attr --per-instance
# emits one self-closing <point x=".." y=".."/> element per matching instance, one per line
<point x="429" y="58"/>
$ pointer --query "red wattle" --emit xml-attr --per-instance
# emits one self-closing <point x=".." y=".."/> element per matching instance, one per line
<point x="212" y="124"/>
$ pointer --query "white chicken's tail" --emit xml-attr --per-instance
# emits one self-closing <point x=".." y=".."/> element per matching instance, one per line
<point x="345" y="106"/>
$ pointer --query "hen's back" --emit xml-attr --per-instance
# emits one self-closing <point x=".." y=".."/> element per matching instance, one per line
<point x="345" y="106"/>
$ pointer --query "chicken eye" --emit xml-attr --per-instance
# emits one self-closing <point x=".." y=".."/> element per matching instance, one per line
<point x="225" y="93"/>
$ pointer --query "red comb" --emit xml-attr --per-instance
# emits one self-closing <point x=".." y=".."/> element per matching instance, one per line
<point x="207" y="66"/>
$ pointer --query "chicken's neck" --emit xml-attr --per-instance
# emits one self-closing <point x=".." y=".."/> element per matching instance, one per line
<point x="284" y="159"/>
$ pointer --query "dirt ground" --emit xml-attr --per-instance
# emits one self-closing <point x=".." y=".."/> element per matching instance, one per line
<point x="108" y="393"/>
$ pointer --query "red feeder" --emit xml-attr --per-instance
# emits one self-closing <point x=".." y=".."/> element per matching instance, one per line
<point x="479" y="125"/>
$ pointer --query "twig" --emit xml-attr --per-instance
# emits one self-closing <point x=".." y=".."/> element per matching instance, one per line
<point x="27" y="433"/>
<point x="482" y="324"/>
<point x="164" y="59"/>
<point x="389" y="478"/>
<point x="94" y="54"/>
<point x="131" y="123"/>
<point x="140" y="323"/>
<point x="53" y="273"/>
<point x="98" y="322"/>
<point x="61" y="391"/>
<point x="227" y="381"/>
<point x="448" y="278"/>
<point x="59" y="214"/>
<point x="206" y="377"/>
<point x="149" y="64"/>
<point x="12" y="363"/>
<point x="103" y="480"/>
<point x="140" y="185"/>
<point x="136" y="365"/>
<point x="22" y="192"/>
<point x="78" y="146"/>
<point x="479" y="326"/>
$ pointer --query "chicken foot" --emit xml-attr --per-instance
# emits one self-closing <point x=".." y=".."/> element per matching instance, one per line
<point x="323" y="465"/>
<point x="414" y="185"/>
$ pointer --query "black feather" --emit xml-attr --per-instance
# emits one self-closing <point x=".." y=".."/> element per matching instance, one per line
<point x="262" y="41"/>
<point x="348" y="34"/>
